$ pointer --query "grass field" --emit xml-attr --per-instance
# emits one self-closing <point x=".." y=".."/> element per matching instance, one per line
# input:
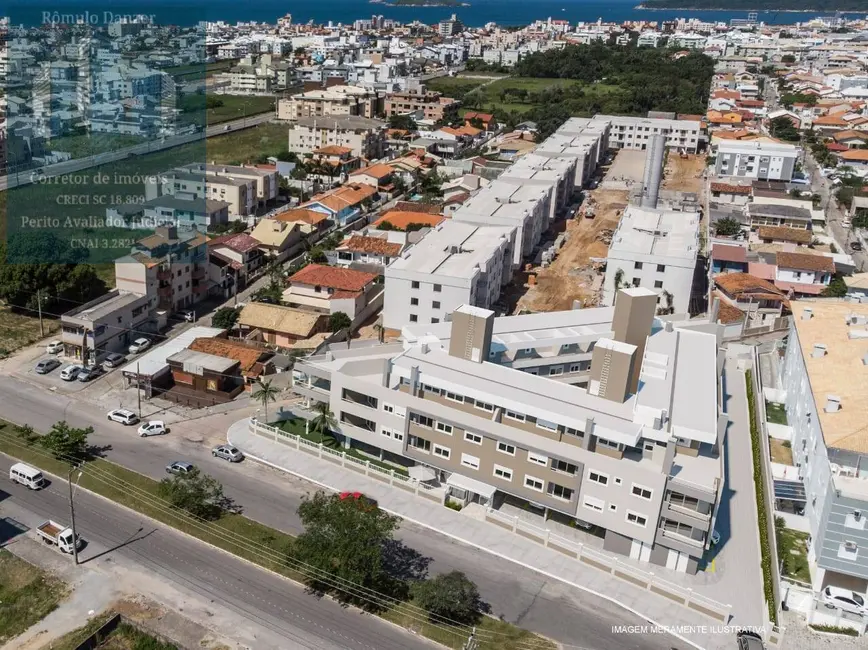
<point x="246" y="145"/>
<point x="20" y="330"/>
<point x="27" y="595"/>
<point x="794" y="554"/>
<point x="233" y="107"/>
<point x="248" y="539"/>
<point x="776" y="413"/>
<point x="81" y="146"/>
<point x="195" y="70"/>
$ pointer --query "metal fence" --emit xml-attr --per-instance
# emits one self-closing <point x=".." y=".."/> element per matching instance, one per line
<point x="366" y="467"/>
<point x="610" y="564"/>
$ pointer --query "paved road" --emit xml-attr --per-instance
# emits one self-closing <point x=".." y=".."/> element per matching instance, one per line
<point x="270" y="601"/>
<point x="520" y="595"/>
<point x="78" y="164"/>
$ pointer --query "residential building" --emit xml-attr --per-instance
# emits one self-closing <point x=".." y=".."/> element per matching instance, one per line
<point x="778" y="216"/>
<point x="103" y="325"/>
<point x="278" y="239"/>
<point x="378" y="176"/>
<point x="759" y="160"/>
<point x="731" y="193"/>
<point x="636" y="132"/>
<point x="241" y="250"/>
<point x="185" y="183"/>
<point x="637" y="452"/>
<point x="585" y="140"/>
<point x="760" y="303"/>
<point x="329" y="290"/>
<point x="254" y="360"/>
<point x="343" y="204"/>
<point x="455" y="264"/>
<point x="279" y="326"/>
<point x="803" y="274"/>
<point x="334" y="101"/>
<point x="784" y="235"/>
<point x="431" y="105"/>
<point x="169" y="210"/>
<point x="364" y="137"/>
<point x="823" y="379"/>
<point x="199" y="379"/>
<point x="655" y="249"/>
<point x="374" y="250"/>
<point x="170" y="267"/>
<point x="728" y="259"/>
<point x="266" y="182"/>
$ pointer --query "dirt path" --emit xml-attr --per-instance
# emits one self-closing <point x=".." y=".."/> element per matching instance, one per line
<point x="683" y="174"/>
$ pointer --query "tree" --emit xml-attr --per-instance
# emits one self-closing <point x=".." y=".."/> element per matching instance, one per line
<point x="264" y="392"/>
<point x="403" y="122"/>
<point x="338" y="321"/>
<point x="323" y="422"/>
<point x="199" y="494"/>
<point x="316" y="255"/>
<point x="344" y="537"/>
<point x="66" y="442"/>
<point x="451" y="596"/>
<point x="727" y="227"/>
<point x="782" y="128"/>
<point x="837" y="288"/>
<point x="225" y="317"/>
<point x="788" y="59"/>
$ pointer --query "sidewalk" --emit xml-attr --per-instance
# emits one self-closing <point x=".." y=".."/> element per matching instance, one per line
<point x="487" y="537"/>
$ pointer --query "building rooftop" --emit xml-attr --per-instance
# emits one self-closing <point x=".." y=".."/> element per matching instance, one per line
<point x="191" y="359"/>
<point x="841" y="371"/>
<point x="402" y="218"/>
<point x="371" y="245"/>
<point x="104" y="305"/>
<point x="332" y="277"/>
<point x="341" y="122"/>
<point x="657" y="234"/>
<point x="153" y="363"/>
<point x="286" y="320"/>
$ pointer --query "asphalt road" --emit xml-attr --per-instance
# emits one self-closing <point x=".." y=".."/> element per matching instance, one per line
<point x="263" y="597"/>
<point x="521" y="596"/>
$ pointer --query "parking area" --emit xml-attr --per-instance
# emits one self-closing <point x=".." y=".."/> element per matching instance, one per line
<point x="626" y="169"/>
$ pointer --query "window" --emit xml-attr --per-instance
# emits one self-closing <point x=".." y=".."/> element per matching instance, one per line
<point x="398" y="435"/>
<point x="548" y="426"/>
<point x="435" y="305"/>
<point x="648" y="446"/>
<point x="435" y="320"/>
<point x="422" y="420"/>
<point x="661" y="268"/>
<point x="388" y="408"/>
<point x="443" y="452"/>
<point x="483" y="406"/>
<point x="573" y="432"/>
<point x="576" y="367"/>
<point x="414" y="318"/>
<point x="560" y="492"/>
<point x="592" y="503"/>
<point x="564" y="466"/>
<point x="598" y="477"/>
<point x="503" y="472"/>
<point x="505" y="448"/>
<point x="636" y="518"/>
<point x="470" y="461"/>
<point x="419" y="443"/>
<point x="539" y="459"/>
<point x="637" y="265"/>
<point x="512" y="415"/>
<point x="442" y="427"/>
<point x="658" y="284"/>
<point x="556" y="370"/>
<point x="386" y="432"/>
<point x="636" y="282"/>
<point x="607" y="443"/>
<point x="452" y="397"/>
<point x="533" y="483"/>
<point x="414" y="285"/>
<point x="437" y="288"/>
<point x="613" y="507"/>
<point x="641" y="491"/>
<point x="472" y="437"/>
<point x="414" y="301"/>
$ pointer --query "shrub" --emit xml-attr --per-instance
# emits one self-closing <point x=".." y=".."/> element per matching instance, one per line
<point x="834" y="629"/>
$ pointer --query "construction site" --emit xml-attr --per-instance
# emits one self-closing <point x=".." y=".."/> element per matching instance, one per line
<point x="575" y="274"/>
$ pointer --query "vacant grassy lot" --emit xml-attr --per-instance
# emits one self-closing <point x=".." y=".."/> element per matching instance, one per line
<point x="455" y="87"/>
<point x="776" y="413"/>
<point x="232" y="107"/>
<point x="20" y="330"/>
<point x="246" y="145"/>
<point x="27" y="595"/>
<point x="81" y="146"/>
<point x="248" y="539"/>
<point x="194" y="71"/>
<point x="793" y="548"/>
<point x="123" y="637"/>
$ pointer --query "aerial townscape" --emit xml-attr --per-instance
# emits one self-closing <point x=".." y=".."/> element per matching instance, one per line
<point x="474" y="325"/>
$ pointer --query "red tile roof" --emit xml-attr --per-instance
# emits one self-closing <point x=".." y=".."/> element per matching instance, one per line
<point x="736" y="284"/>
<point x="782" y="233"/>
<point x="333" y="277"/>
<point x="805" y="262"/>
<point x="401" y="219"/>
<point x="729" y="253"/>
<point x="728" y="188"/>
<point x="728" y="313"/>
<point x="373" y="245"/>
<point x="241" y="243"/>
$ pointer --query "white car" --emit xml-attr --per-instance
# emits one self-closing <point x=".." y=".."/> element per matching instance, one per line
<point x="55" y="347"/>
<point x="140" y="345"/>
<point x="70" y="373"/>
<point x="153" y="428"/>
<point x="847" y="600"/>
<point x="124" y="416"/>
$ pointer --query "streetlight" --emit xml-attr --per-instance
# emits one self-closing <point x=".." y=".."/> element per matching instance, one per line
<point x="72" y="510"/>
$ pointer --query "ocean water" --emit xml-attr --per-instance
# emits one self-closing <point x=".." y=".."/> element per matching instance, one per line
<point x="503" y="12"/>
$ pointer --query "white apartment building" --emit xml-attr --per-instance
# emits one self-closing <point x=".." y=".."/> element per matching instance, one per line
<point x="636" y="132"/>
<point x="649" y="39"/>
<point x="760" y="160"/>
<point x="455" y="264"/>
<point x="655" y="249"/>
<point x="266" y="181"/>
<point x="193" y="183"/>
<point x="534" y="169"/>
<point x="586" y="140"/>
<point x="333" y="101"/>
<point x="482" y="402"/>
<point x="364" y="136"/>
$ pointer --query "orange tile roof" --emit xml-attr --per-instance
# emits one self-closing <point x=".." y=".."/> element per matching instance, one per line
<point x="857" y="155"/>
<point x="737" y="283"/>
<point x="310" y="217"/>
<point x="829" y="120"/>
<point x="333" y="150"/>
<point x="373" y="245"/>
<point x="344" y="197"/>
<point x="728" y="188"/>
<point x="782" y="233"/>
<point x="378" y="171"/>
<point x="247" y="354"/>
<point x="333" y="277"/>
<point x="805" y="262"/>
<point x="485" y="117"/>
<point x="726" y="94"/>
<point x="727" y="313"/>
<point x="716" y="117"/>
<point x="401" y="219"/>
<point x="849" y="134"/>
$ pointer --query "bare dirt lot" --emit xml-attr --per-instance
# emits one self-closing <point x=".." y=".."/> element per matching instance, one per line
<point x="683" y="174"/>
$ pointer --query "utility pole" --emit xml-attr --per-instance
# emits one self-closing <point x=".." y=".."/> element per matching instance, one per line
<point x="472" y="642"/>
<point x="139" y="388"/>
<point x="72" y="515"/>
<point x="39" y="309"/>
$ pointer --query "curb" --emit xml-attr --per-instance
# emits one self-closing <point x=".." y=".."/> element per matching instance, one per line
<point x="486" y="550"/>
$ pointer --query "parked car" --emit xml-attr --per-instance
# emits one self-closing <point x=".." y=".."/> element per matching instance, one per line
<point x="140" y="345"/>
<point x="363" y="501"/>
<point x="715" y="538"/>
<point x="89" y="372"/>
<point x="47" y="365"/>
<point x="113" y="360"/>
<point x="228" y="452"/>
<point x="847" y="600"/>
<point x="153" y="428"/>
<point x="55" y="347"/>
<point x="70" y="373"/>
<point x="179" y="467"/>
<point x="749" y="641"/>
<point x="855" y="246"/>
<point x="189" y="316"/>
<point x="124" y="416"/>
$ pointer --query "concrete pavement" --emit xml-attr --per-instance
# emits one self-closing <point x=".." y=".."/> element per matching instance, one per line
<point x="267" y="611"/>
<point x="639" y="604"/>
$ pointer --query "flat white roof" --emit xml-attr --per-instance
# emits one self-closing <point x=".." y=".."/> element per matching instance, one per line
<point x="154" y="363"/>
<point x="767" y="147"/>
<point x="657" y="233"/>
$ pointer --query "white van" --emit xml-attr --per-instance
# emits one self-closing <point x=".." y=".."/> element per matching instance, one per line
<point x="26" y="475"/>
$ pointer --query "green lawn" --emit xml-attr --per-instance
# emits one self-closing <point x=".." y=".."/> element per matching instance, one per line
<point x="19" y="330"/>
<point x="792" y="546"/>
<point x="454" y="86"/>
<point x="139" y="493"/>
<point x="27" y="595"/>
<point x="247" y="145"/>
<point x="81" y="146"/>
<point x="776" y="413"/>
<point x="233" y="107"/>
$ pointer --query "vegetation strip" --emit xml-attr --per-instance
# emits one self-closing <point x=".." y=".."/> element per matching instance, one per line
<point x="256" y="543"/>
<point x="27" y="595"/>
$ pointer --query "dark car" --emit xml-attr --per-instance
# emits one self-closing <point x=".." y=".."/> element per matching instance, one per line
<point x="749" y="641"/>
<point x="47" y="365"/>
<point x="89" y="372"/>
<point x="266" y="300"/>
<point x="855" y="246"/>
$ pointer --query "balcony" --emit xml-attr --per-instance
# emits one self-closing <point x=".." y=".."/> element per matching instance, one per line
<point x="199" y="273"/>
<point x="687" y="515"/>
<point x="165" y="292"/>
<point x="354" y="397"/>
<point x="164" y="274"/>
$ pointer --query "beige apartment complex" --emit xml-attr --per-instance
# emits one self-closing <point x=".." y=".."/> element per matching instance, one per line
<point x="432" y="104"/>
<point x="334" y="101"/>
<point x="365" y="137"/>
<point x="197" y="183"/>
<point x="607" y="416"/>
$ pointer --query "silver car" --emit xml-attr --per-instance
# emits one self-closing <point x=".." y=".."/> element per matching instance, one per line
<point x="228" y="452"/>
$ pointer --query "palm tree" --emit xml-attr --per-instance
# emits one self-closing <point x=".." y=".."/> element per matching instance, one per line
<point x="265" y="393"/>
<point x="323" y="423"/>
